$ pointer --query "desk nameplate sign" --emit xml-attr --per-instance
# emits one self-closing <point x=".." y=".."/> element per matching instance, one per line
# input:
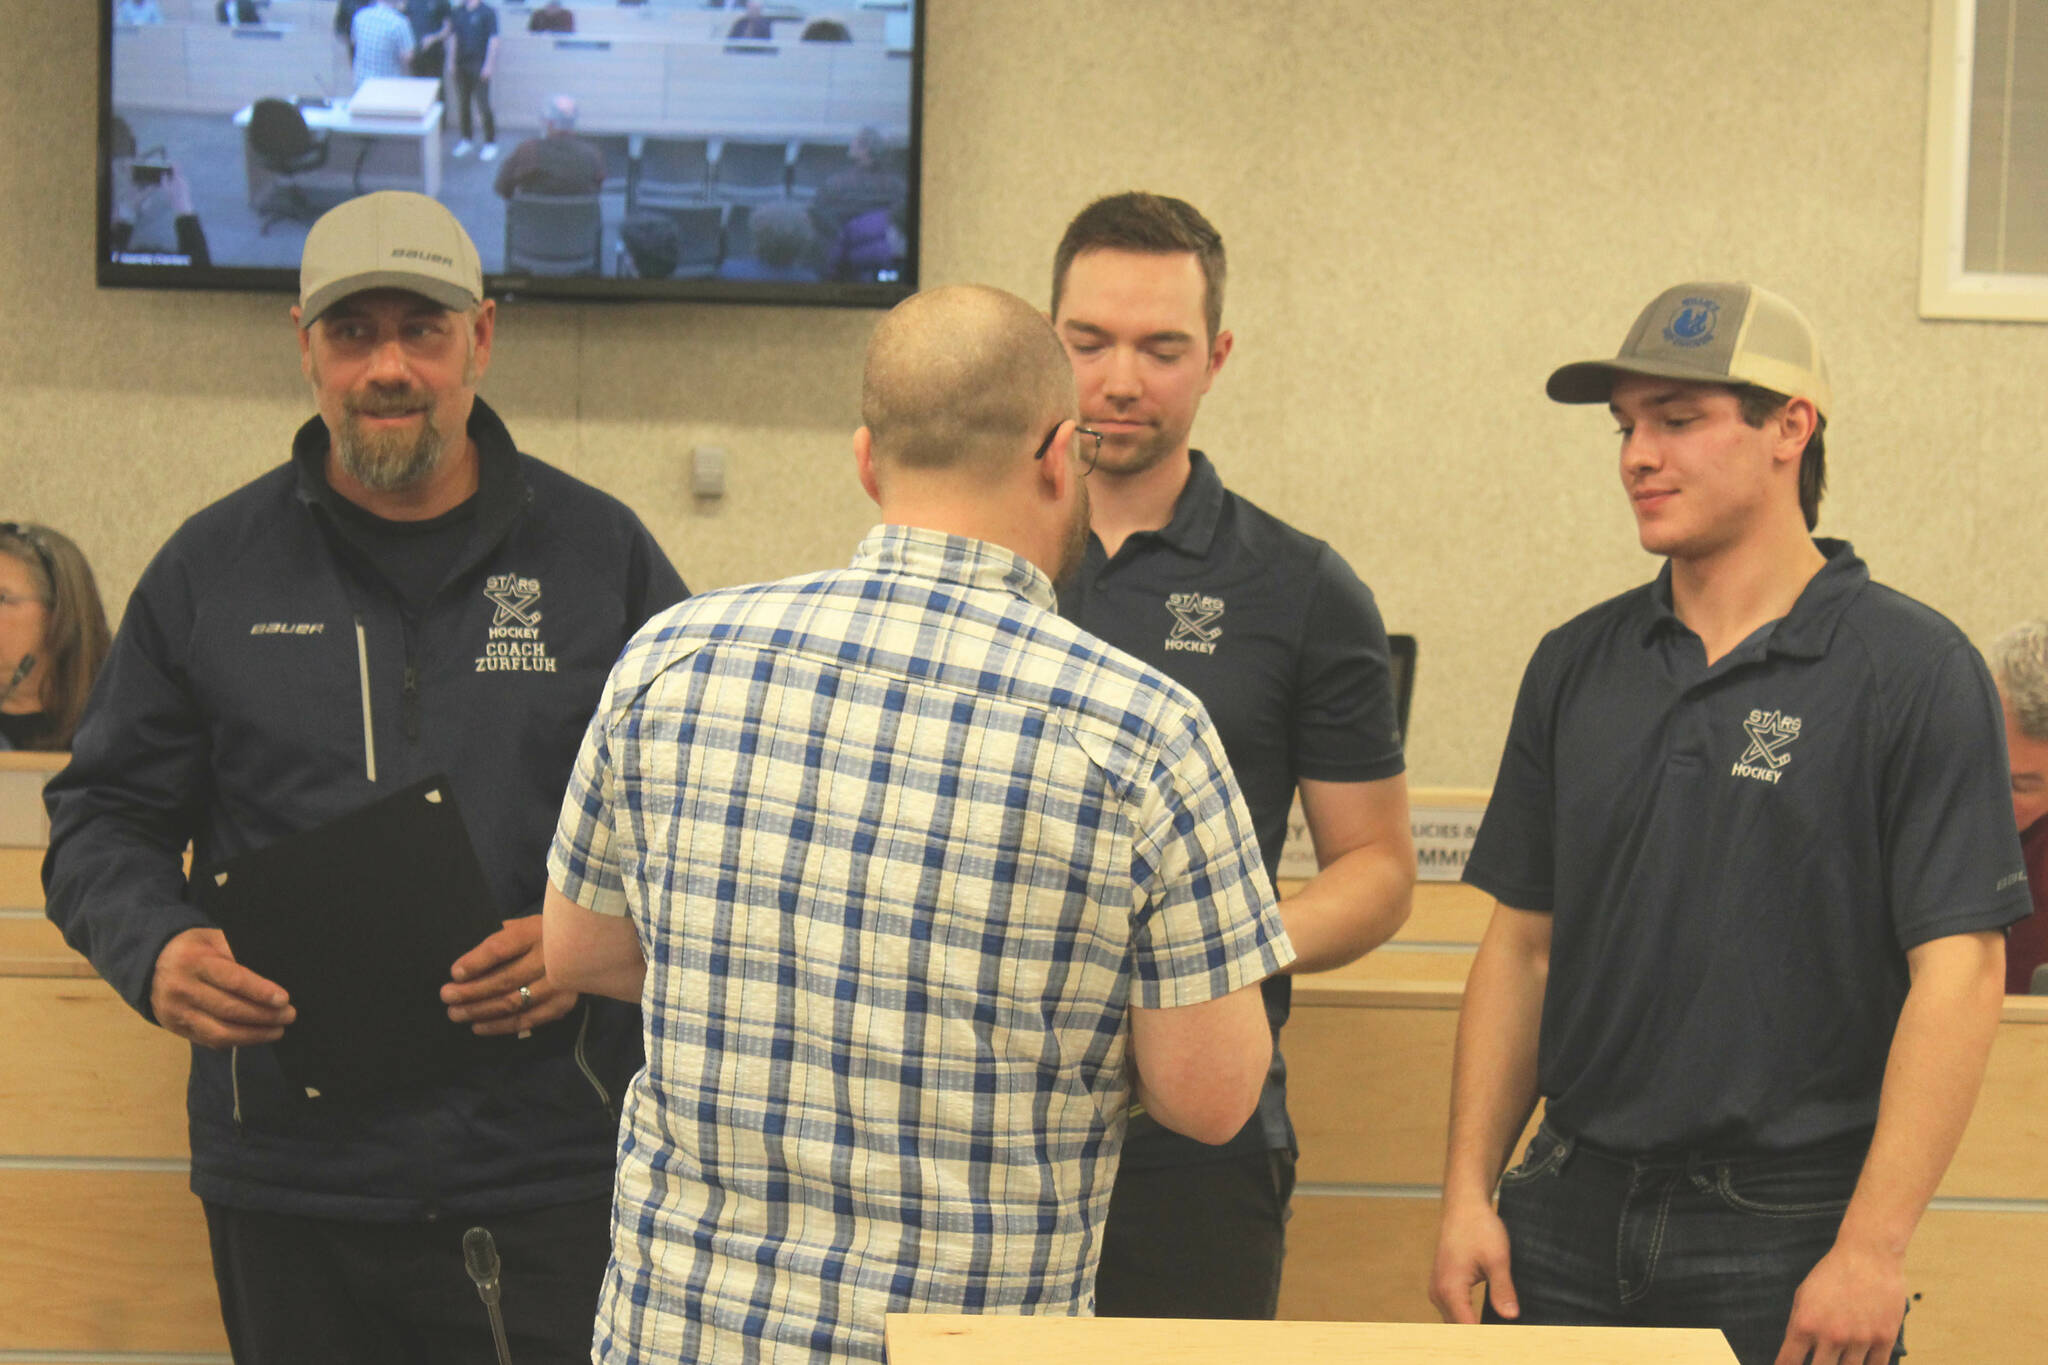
<point x="1443" y="839"/>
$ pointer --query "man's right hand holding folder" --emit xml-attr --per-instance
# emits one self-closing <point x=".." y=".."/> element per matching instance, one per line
<point x="204" y="996"/>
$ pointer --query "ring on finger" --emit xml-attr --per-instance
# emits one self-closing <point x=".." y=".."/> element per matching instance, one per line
<point x="525" y="996"/>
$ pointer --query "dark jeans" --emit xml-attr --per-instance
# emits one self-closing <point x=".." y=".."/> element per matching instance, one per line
<point x="316" y="1291"/>
<point x="1684" y="1240"/>
<point x="471" y="85"/>
<point x="1196" y="1241"/>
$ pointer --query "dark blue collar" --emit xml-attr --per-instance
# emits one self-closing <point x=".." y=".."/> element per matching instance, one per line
<point x="1806" y="630"/>
<point x="1197" y="510"/>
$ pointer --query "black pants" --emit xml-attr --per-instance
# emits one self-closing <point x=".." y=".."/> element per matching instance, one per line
<point x="471" y="85"/>
<point x="317" y="1291"/>
<point x="1196" y="1241"/>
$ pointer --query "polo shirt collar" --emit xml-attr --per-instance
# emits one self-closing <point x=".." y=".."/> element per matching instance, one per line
<point x="1806" y="630"/>
<point x="924" y="553"/>
<point x="1197" y="510"/>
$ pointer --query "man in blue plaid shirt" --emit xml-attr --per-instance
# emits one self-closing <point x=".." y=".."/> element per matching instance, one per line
<point x="920" y="887"/>
<point x="381" y="38"/>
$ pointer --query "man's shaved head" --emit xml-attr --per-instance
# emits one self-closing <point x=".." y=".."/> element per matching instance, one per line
<point x="961" y="375"/>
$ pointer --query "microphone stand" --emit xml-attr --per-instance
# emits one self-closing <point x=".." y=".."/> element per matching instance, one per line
<point x="480" y="1259"/>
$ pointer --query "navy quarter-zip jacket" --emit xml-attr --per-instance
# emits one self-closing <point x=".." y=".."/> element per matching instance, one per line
<point x="267" y="678"/>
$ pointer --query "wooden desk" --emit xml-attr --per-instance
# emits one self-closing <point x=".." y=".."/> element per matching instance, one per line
<point x="962" y="1339"/>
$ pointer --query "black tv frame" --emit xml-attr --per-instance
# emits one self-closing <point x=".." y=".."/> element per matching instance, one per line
<point x="112" y="274"/>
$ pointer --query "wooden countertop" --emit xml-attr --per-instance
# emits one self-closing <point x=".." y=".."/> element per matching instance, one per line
<point x="997" y="1339"/>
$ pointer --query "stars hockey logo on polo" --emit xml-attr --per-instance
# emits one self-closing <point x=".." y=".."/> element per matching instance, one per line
<point x="515" y="598"/>
<point x="1194" y="622"/>
<point x="514" y="645"/>
<point x="1770" y="737"/>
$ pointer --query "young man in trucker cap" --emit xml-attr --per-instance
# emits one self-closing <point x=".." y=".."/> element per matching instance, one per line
<point x="1752" y="855"/>
<point x="407" y="596"/>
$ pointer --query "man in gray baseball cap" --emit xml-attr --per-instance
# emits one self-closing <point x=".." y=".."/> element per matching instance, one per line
<point x="408" y="597"/>
<point x="1752" y="857"/>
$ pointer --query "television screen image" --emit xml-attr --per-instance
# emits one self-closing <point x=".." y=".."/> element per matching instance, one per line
<point x="676" y="149"/>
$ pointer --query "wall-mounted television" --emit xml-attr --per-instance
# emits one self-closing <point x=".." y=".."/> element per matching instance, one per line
<point x="665" y="149"/>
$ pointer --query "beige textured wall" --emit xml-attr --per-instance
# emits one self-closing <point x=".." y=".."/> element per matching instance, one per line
<point x="1427" y="206"/>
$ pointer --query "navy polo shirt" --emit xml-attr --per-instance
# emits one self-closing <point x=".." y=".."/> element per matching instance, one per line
<point x="1736" y="858"/>
<point x="1284" y="647"/>
<point x="474" y="29"/>
<point x="426" y="16"/>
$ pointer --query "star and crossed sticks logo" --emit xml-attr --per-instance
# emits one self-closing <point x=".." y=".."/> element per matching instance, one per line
<point x="1770" y="735"/>
<point x="514" y="598"/>
<point x="1195" y="616"/>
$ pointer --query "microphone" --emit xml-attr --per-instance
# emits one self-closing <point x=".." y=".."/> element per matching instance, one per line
<point x="28" y="661"/>
<point x="480" y="1259"/>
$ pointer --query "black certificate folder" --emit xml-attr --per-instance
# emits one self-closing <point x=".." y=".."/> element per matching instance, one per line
<point x="360" y="920"/>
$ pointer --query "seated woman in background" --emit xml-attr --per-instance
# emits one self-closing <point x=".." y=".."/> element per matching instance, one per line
<point x="53" y="636"/>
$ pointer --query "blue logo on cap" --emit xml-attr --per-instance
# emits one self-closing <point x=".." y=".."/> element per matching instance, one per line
<point x="1694" y="323"/>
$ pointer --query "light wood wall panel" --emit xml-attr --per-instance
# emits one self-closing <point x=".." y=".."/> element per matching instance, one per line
<point x="1369" y="1089"/>
<point x="85" y="1076"/>
<point x="1398" y="961"/>
<point x="1359" y="1259"/>
<point x="1975" y="1282"/>
<point x="105" y="1261"/>
<point x="21" y="878"/>
<point x="23" y="773"/>
<point x="2000" y="1156"/>
<point x="31" y="946"/>
<point x="1369" y="1072"/>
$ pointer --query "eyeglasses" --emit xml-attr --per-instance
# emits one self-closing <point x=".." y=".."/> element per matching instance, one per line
<point x="1090" y="452"/>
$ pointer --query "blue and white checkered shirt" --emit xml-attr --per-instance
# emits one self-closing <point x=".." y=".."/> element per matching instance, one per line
<point x="382" y="38"/>
<point x="901" y="847"/>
